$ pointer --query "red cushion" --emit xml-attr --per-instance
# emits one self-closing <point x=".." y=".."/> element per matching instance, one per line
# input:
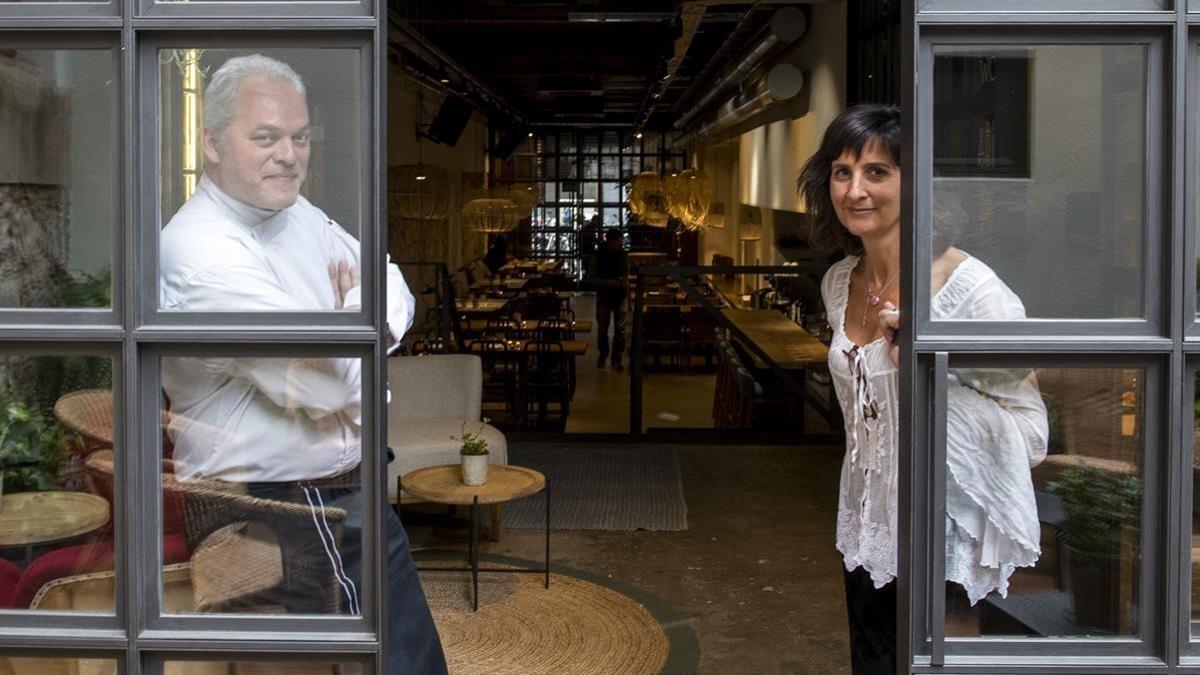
<point x="9" y="575"/>
<point x="81" y="559"/>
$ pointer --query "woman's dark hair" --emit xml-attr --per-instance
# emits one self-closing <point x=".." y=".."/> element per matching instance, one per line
<point x="851" y="131"/>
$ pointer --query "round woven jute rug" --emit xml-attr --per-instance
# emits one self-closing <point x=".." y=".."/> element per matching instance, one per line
<point x="523" y="628"/>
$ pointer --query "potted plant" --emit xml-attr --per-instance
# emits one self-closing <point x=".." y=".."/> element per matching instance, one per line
<point x="30" y="446"/>
<point x="1099" y="506"/>
<point x="474" y="452"/>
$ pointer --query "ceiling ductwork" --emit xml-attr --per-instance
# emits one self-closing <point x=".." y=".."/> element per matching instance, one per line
<point x="744" y="94"/>
<point x="782" y="82"/>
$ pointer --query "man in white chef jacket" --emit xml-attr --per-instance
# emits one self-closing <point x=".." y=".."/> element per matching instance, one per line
<point x="289" y="428"/>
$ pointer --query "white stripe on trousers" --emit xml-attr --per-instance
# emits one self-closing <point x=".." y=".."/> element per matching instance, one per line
<point x="335" y="556"/>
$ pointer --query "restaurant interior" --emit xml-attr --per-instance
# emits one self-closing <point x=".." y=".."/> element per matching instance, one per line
<point x="695" y="471"/>
<point x="702" y="475"/>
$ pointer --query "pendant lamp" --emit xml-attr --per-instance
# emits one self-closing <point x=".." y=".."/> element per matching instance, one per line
<point x="420" y="192"/>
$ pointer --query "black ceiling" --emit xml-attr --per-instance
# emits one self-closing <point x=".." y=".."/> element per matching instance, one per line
<point x="587" y="62"/>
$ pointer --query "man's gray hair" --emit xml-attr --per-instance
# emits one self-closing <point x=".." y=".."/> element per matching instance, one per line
<point x="220" y="97"/>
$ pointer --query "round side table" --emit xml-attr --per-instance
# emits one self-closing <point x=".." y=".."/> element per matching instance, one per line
<point x="31" y="518"/>
<point x="443" y="485"/>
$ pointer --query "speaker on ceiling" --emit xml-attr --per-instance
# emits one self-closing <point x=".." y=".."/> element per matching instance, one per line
<point x="509" y="141"/>
<point x="451" y="119"/>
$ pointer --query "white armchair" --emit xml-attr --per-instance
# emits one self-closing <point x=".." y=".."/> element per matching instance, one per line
<point x="431" y="398"/>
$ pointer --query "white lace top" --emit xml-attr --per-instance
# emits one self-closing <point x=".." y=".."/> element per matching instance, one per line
<point x="996" y="430"/>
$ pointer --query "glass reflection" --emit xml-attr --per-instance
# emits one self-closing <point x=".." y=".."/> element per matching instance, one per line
<point x="1053" y="203"/>
<point x="56" y="470"/>
<point x="1062" y="557"/>
<point x="260" y="668"/>
<point x="260" y="181"/>
<point x="20" y="665"/>
<point x="57" y="177"/>
<point x="261" y="478"/>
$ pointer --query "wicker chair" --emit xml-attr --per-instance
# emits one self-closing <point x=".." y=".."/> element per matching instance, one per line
<point x="244" y="547"/>
<point x="89" y="413"/>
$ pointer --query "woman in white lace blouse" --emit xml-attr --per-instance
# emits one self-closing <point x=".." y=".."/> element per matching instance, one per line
<point x="996" y="421"/>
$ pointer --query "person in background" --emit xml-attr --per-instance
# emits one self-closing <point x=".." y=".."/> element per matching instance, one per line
<point x="996" y="421"/>
<point x="608" y="276"/>
<point x="281" y="429"/>
<point x="497" y="254"/>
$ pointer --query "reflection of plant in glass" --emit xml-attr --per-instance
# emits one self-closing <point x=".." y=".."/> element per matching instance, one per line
<point x="1099" y="505"/>
<point x="87" y="372"/>
<point x="30" y="446"/>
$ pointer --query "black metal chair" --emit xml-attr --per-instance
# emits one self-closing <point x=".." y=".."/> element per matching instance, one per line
<point x="499" y="371"/>
<point x="544" y="380"/>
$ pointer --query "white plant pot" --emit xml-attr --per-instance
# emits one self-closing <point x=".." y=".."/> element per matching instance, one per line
<point x="474" y="469"/>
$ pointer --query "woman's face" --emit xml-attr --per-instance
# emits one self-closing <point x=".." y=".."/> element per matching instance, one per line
<point x="865" y="191"/>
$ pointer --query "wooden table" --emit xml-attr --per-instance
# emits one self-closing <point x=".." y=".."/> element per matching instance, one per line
<point x="478" y="326"/>
<point x="782" y="339"/>
<point x="30" y="518"/>
<point x="443" y="485"/>
<point x="482" y="306"/>
<point x="502" y="284"/>
<point x="570" y="347"/>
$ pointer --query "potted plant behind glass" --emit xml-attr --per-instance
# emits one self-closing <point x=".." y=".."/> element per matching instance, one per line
<point x="30" y="446"/>
<point x="1099" y="507"/>
<point x="474" y="452"/>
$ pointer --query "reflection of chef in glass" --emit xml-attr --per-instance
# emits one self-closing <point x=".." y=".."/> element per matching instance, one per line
<point x="996" y="420"/>
<point x="286" y="429"/>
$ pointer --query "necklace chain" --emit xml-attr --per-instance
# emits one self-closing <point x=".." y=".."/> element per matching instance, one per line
<point x="873" y="297"/>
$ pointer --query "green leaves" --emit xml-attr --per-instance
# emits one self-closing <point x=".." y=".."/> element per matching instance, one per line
<point x="1099" y="506"/>
<point x="472" y="443"/>
<point x="31" y="444"/>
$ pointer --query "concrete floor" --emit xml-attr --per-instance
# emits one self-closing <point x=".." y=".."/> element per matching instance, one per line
<point x="756" y="574"/>
<point x="601" y="402"/>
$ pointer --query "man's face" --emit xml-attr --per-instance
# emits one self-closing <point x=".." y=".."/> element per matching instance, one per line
<point x="262" y="158"/>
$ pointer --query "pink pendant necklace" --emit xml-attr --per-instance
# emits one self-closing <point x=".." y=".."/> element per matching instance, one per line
<point x="873" y="297"/>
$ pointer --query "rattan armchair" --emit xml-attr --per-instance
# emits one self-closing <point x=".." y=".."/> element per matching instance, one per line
<point x="246" y="548"/>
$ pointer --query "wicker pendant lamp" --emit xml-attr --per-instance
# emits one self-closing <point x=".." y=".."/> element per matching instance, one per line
<point x="675" y="190"/>
<point x="526" y="196"/>
<point x="696" y="199"/>
<point x="420" y="192"/>
<point x="491" y="215"/>
<point x="646" y="194"/>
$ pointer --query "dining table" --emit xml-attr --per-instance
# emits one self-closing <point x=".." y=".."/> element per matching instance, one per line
<point x="784" y="341"/>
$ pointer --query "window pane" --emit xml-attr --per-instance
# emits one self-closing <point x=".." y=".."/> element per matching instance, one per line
<point x="260" y="484"/>
<point x="630" y="167"/>
<point x="591" y="167"/>
<point x="260" y="668"/>
<point x="1067" y="529"/>
<point x="269" y="176"/>
<point x="1021" y="187"/>
<point x="56" y="463"/>
<point x="611" y="193"/>
<point x="57" y="178"/>
<point x="610" y="167"/>
<point x="22" y="665"/>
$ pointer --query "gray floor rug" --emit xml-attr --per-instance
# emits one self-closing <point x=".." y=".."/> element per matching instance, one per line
<point x="611" y="487"/>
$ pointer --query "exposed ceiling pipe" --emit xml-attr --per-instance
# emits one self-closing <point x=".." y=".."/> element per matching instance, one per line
<point x="784" y="81"/>
<point x="787" y="25"/>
